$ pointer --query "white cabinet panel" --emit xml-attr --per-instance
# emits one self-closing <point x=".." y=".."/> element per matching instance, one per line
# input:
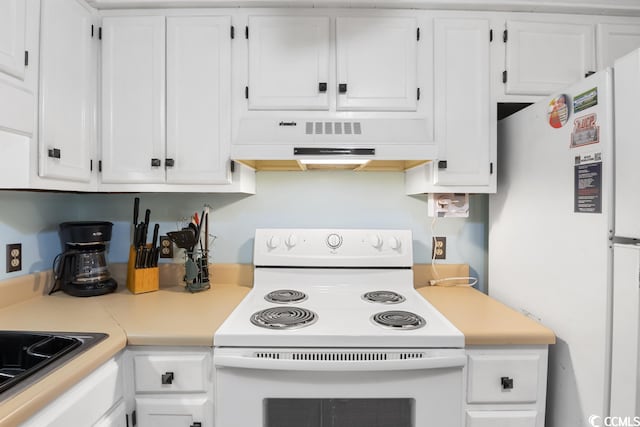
<point x="67" y="91"/>
<point x="501" y="419"/>
<point x="174" y="412"/>
<point x="542" y="58"/>
<point x="133" y="99"/>
<point x="12" y="37"/>
<point x="189" y="372"/>
<point x="116" y="418"/>
<point x="503" y="378"/>
<point x="614" y="41"/>
<point x="463" y="113"/>
<point x="288" y="60"/>
<point x="377" y="61"/>
<point x="198" y="99"/>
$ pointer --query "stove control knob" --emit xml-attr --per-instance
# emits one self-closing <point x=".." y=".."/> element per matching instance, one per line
<point x="376" y="241"/>
<point x="334" y="240"/>
<point x="395" y="243"/>
<point x="273" y="242"/>
<point x="291" y="241"/>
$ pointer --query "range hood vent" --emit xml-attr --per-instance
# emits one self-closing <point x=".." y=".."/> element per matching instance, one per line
<point x="314" y="143"/>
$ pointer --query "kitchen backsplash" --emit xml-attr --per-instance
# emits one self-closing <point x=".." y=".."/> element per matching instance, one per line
<point x="284" y="199"/>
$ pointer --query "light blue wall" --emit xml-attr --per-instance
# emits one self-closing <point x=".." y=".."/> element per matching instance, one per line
<point x="284" y="199"/>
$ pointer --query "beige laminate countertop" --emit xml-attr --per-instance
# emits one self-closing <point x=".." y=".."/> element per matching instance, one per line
<point x="174" y="317"/>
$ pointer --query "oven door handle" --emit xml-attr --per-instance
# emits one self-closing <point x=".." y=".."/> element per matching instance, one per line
<point x="437" y="362"/>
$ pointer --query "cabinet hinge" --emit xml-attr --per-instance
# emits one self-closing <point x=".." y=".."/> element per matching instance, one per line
<point x="100" y="170"/>
<point x="232" y="166"/>
<point x="504" y="76"/>
<point x="92" y="30"/>
<point x="126" y="420"/>
<point x="91" y="165"/>
<point x="418" y="94"/>
<point x="26" y="58"/>
<point x="246" y="92"/>
<point x="233" y="32"/>
<point x="442" y="164"/>
<point x="491" y="168"/>
<point x="418" y="34"/>
<point x="99" y="33"/>
<point x="246" y="32"/>
<point x="505" y="36"/>
<point x="134" y="418"/>
<point x="490" y="36"/>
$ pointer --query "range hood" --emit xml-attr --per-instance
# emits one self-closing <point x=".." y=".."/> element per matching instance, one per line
<point x="299" y="143"/>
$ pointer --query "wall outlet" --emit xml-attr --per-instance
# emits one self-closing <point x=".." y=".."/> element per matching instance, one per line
<point x="14" y="257"/>
<point x="166" y="247"/>
<point x="439" y="248"/>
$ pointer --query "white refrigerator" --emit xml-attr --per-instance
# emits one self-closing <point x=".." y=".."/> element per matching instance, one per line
<point x="561" y="239"/>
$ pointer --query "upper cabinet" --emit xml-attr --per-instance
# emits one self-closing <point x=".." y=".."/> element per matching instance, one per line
<point x="542" y="58"/>
<point x="12" y="37"/>
<point x="288" y="62"/>
<point x="614" y="41"/>
<point x="377" y="63"/>
<point x="68" y="89"/>
<point x="375" y="60"/>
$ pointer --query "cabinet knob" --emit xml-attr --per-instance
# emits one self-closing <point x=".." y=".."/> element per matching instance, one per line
<point x="589" y="73"/>
<point x="54" y="153"/>
<point x="167" y="378"/>
<point x="322" y="87"/>
<point x="507" y="383"/>
<point x="342" y="88"/>
<point x="198" y="424"/>
<point x="169" y="163"/>
<point x="156" y="162"/>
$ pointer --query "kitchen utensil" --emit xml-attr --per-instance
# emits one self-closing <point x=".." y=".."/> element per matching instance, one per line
<point x="185" y="238"/>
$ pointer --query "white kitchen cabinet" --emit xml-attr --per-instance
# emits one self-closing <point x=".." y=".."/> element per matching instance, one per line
<point x="198" y="100"/>
<point x="117" y="417"/>
<point x="614" y="41"/>
<point x="288" y="62"/>
<point x="68" y="88"/>
<point x="465" y="116"/>
<point x="173" y="386"/>
<point x="85" y="403"/>
<point x="377" y="63"/>
<point x="545" y="57"/>
<point x="506" y="386"/>
<point x="133" y="99"/>
<point x="13" y="18"/>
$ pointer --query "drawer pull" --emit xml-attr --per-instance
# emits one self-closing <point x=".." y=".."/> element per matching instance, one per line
<point x="167" y="378"/>
<point x="507" y="383"/>
<point x="198" y="424"/>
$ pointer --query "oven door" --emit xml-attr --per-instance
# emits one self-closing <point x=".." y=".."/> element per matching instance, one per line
<point x="338" y="387"/>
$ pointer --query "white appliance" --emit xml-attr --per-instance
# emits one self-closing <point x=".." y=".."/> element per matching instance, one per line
<point x="562" y="239"/>
<point x="304" y="347"/>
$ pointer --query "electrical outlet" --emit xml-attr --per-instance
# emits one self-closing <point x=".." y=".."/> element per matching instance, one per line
<point x="439" y="248"/>
<point x="14" y="257"/>
<point x="166" y="247"/>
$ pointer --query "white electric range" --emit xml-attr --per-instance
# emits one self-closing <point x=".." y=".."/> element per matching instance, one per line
<point x="333" y="329"/>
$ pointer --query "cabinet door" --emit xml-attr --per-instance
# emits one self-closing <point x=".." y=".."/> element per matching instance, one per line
<point x="377" y="63"/>
<point x="12" y="37"/>
<point x="543" y="58"/>
<point x="67" y="91"/>
<point x="288" y="62"/>
<point x="501" y="419"/>
<point x="198" y="99"/>
<point x="614" y="41"/>
<point x="133" y="99"/>
<point x="174" y="412"/>
<point x="117" y="417"/>
<point x="462" y="108"/>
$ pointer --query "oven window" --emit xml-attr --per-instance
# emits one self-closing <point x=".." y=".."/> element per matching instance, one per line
<point x="339" y="412"/>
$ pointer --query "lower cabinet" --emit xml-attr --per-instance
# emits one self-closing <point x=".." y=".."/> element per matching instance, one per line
<point x="506" y="386"/>
<point x="90" y="401"/>
<point x="117" y="417"/>
<point x="172" y="386"/>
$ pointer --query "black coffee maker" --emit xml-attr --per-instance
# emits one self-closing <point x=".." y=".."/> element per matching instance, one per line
<point x="81" y="270"/>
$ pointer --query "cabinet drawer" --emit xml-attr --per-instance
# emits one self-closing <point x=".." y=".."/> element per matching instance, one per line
<point x="501" y="419"/>
<point x="171" y="373"/>
<point x="503" y="378"/>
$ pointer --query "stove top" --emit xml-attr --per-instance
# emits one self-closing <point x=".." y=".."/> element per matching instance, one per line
<point x="335" y="289"/>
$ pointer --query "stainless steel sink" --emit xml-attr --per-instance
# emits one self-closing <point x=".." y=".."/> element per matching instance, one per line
<point x="26" y="357"/>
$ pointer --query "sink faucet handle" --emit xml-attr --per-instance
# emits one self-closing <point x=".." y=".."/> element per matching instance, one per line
<point x="167" y="378"/>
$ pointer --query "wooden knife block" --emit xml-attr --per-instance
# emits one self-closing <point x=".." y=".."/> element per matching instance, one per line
<point x="141" y="280"/>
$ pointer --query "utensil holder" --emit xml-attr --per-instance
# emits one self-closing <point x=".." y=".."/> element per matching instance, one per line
<point x="141" y="280"/>
<point x="196" y="270"/>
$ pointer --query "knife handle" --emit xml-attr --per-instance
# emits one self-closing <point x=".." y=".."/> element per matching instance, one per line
<point x="154" y="241"/>
<point x="136" y="210"/>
